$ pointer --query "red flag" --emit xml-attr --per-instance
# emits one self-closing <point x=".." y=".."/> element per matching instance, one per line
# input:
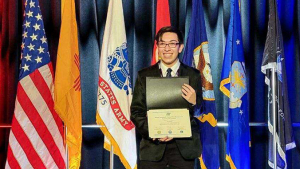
<point x="36" y="136"/>
<point x="162" y="20"/>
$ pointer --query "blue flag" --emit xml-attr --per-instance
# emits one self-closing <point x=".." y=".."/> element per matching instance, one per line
<point x="196" y="55"/>
<point x="234" y="86"/>
<point x="274" y="59"/>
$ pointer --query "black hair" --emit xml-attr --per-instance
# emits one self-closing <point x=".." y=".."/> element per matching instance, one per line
<point x="169" y="29"/>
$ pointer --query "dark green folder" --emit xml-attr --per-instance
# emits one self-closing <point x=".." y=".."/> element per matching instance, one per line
<point x="165" y="93"/>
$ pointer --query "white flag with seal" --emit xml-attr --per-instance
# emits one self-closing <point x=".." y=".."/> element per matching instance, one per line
<point x="115" y="90"/>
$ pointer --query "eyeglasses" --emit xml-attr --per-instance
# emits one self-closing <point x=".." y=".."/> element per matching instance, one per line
<point x="171" y="45"/>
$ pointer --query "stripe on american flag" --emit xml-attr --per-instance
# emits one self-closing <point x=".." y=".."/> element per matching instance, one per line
<point x="7" y="165"/>
<point x="41" y="84"/>
<point x="40" y="117"/>
<point x="17" y="149"/>
<point x="33" y="136"/>
<point x="13" y="162"/>
<point x="30" y="125"/>
<point x="26" y="145"/>
<point x="48" y="77"/>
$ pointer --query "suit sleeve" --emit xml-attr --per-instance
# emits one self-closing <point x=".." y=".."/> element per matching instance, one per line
<point x="139" y="109"/>
<point x="197" y="108"/>
<point x="199" y="91"/>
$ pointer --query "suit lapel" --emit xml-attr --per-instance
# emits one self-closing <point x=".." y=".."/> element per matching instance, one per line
<point x="156" y="71"/>
<point x="182" y="70"/>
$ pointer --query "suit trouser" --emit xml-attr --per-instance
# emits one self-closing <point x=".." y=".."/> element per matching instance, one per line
<point x="171" y="159"/>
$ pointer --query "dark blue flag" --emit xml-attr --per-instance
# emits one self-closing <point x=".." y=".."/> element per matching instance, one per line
<point x="234" y="86"/>
<point x="274" y="59"/>
<point x="196" y="55"/>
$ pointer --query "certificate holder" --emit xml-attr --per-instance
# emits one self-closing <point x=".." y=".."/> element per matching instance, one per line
<point x="168" y="113"/>
<point x="165" y="93"/>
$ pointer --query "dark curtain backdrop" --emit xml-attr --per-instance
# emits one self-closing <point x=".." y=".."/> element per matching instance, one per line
<point x="140" y="28"/>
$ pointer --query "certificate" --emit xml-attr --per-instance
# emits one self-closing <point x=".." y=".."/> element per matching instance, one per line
<point x="173" y="123"/>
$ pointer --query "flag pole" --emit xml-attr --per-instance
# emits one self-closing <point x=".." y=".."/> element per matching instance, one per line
<point x="111" y="161"/>
<point x="67" y="153"/>
<point x="274" y="118"/>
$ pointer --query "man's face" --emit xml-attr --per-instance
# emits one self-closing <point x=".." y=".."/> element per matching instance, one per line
<point x="169" y="53"/>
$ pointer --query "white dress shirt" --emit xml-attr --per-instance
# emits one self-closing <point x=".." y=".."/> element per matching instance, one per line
<point x="174" y="68"/>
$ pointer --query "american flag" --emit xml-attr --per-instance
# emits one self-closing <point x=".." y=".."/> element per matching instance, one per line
<point x="36" y="137"/>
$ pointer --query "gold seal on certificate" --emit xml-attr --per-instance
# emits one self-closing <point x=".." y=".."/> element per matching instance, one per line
<point x="173" y="123"/>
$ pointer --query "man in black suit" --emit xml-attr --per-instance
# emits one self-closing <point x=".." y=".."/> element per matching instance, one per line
<point x="163" y="152"/>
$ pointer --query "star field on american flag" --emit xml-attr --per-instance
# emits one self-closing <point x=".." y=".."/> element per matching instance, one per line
<point x="34" y="42"/>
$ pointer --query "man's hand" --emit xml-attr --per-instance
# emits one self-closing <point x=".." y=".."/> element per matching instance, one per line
<point x="189" y="94"/>
<point x="165" y="139"/>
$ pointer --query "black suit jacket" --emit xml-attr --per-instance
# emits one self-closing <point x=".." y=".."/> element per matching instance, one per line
<point x="190" y="148"/>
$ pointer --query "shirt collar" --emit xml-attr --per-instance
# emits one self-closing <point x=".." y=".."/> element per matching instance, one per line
<point x="174" y="68"/>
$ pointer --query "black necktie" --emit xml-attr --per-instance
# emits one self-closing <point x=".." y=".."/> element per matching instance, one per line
<point x="169" y="70"/>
